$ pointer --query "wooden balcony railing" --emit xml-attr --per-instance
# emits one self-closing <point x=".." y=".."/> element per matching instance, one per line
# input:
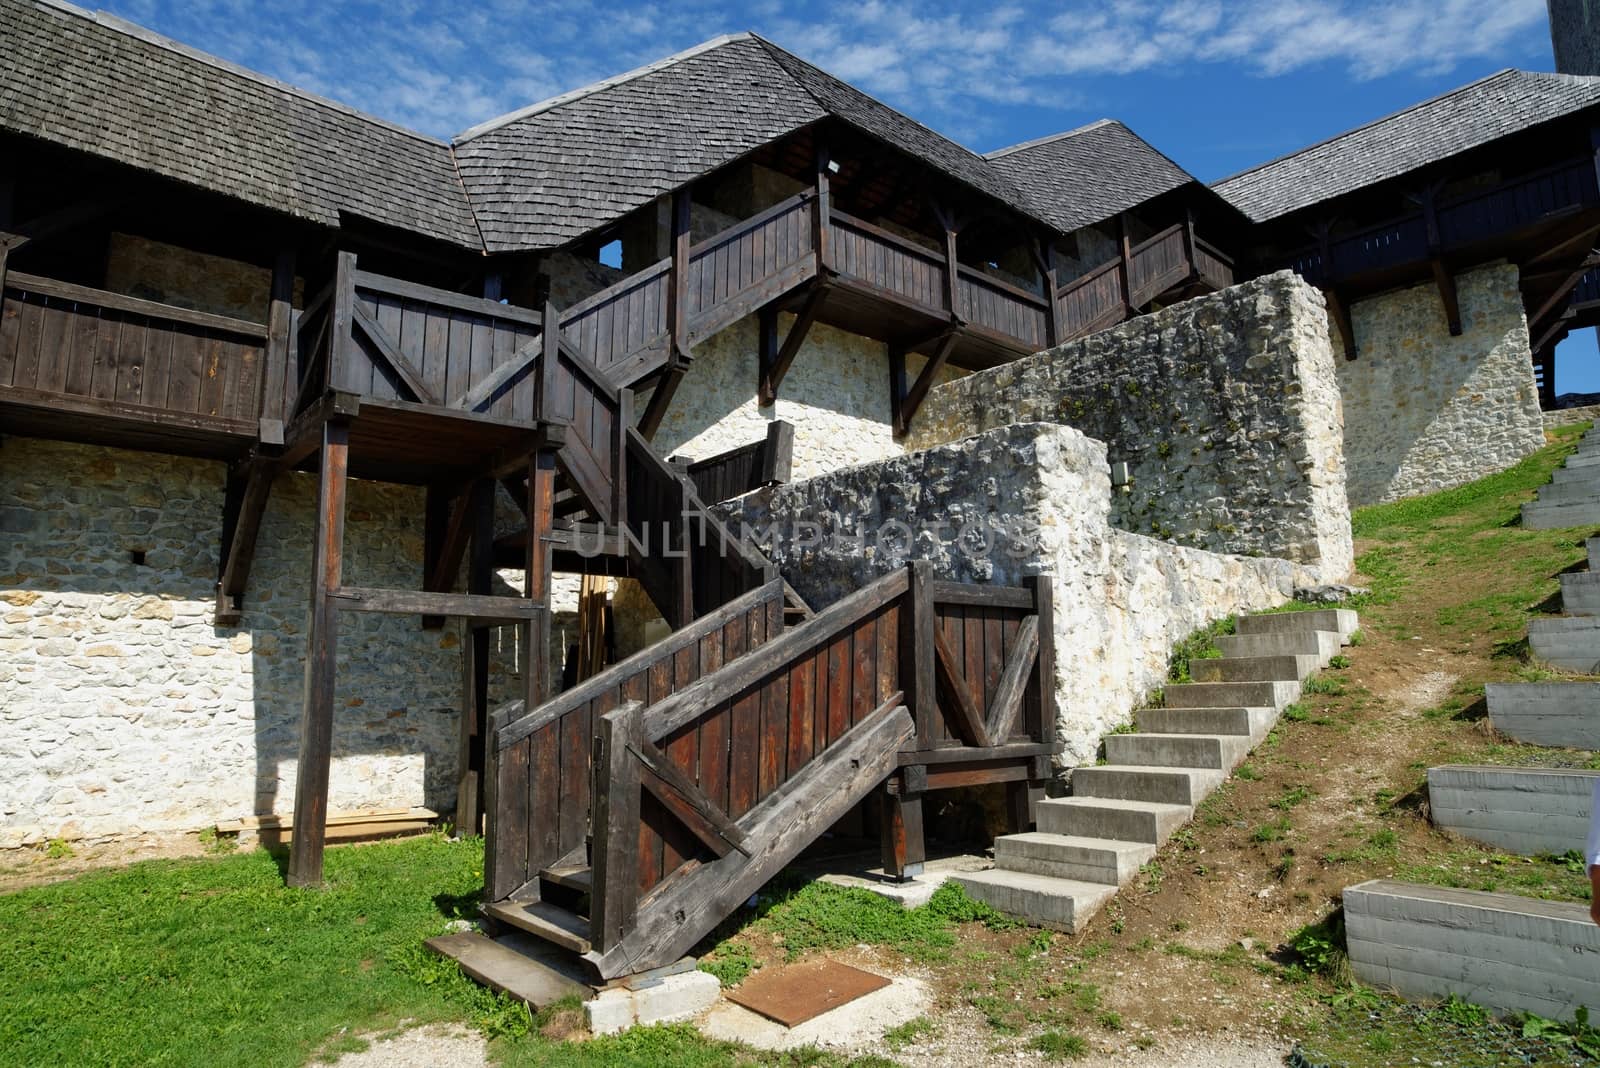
<point x="1509" y="207"/>
<point x="92" y="352"/>
<point x="1164" y="262"/>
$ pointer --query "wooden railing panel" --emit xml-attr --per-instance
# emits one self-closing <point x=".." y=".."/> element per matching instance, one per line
<point x="744" y="256"/>
<point x="541" y="759"/>
<point x="622" y="320"/>
<point x="1005" y="309"/>
<point x="1091" y="301"/>
<point x="888" y="263"/>
<point x="1215" y="269"/>
<point x="71" y="341"/>
<point x="1157" y="264"/>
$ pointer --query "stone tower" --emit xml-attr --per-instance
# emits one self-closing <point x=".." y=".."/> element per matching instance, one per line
<point x="1575" y="35"/>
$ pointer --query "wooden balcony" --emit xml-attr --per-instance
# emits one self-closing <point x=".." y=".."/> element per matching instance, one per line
<point x="1509" y="211"/>
<point x="1165" y="265"/>
<point x="89" y="365"/>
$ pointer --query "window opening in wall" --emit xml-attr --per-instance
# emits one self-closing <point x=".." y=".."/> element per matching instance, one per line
<point x="611" y="254"/>
<point x="136" y="557"/>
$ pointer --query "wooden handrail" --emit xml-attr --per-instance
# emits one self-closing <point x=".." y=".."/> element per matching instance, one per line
<point x="513" y="722"/>
<point x="1211" y="250"/>
<point x="49" y="287"/>
<point x="754" y="222"/>
<point x="1087" y="277"/>
<point x="689" y="703"/>
<point x="1158" y="238"/>
<point x="396" y="287"/>
<point x="904" y="244"/>
<point x="1010" y="289"/>
<point x="594" y="300"/>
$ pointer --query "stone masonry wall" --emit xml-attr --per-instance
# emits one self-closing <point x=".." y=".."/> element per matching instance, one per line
<point x="1225" y="408"/>
<point x="1121" y="600"/>
<point x="124" y="710"/>
<point x="1425" y="411"/>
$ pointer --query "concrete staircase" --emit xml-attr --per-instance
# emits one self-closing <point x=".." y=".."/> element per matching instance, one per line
<point x="1570" y="641"/>
<point x="1572" y="497"/>
<point x="1088" y="845"/>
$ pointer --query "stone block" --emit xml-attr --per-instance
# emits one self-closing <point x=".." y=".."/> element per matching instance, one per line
<point x="1344" y="621"/>
<point x="1531" y="811"/>
<point x="672" y="998"/>
<point x="1092" y="860"/>
<point x="1097" y="817"/>
<point x="1253" y="669"/>
<point x="1060" y="904"/>
<point x="1547" y="713"/>
<point x="1507" y="953"/>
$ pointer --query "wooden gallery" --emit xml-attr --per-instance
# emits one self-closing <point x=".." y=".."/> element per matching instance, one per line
<point x="348" y="473"/>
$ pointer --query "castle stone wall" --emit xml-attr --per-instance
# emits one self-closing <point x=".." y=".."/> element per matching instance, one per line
<point x="1425" y="411"/>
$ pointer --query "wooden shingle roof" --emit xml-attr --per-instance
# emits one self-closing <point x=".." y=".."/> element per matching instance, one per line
<point x="1088" y="175"/>
<point x="1462" y="119"/>
<point x="545" y="175"/>
<point x="106" y="87"/>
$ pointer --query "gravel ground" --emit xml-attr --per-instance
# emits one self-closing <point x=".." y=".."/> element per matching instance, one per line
<point x="433" y="1046"/>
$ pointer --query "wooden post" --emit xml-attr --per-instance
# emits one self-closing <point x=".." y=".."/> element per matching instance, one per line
<point x="822" y="211"/>
<point x="1022" y="800"/>
<point x="904" y="851"/>
<point x="1126" y="266"/>
<point x="1045" y="662"/>
<point x="1045" y="253"/>
<point x="280" y="317"/>
<point x="678" y="280"/>
<point x="549" y="366"/>
<point x="475" y="665"/>
<point x="1443" y="279"/>
<point x="897" y="389"/>
<point x="766" y="354"/>
<point x="615" y="896"/>
<point x="340" y="340"/>
<point x="777" y="455"/>
<point x="322" y="644"/>
<point x="917" y="637"/>
<point x="541" y="519"/>
<point x="952" y="272"/>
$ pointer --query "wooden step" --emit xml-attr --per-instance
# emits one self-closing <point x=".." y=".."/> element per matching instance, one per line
<point x="555" y="925"/>
<point x="579" y="877"/>
<point x="499" y="966"/>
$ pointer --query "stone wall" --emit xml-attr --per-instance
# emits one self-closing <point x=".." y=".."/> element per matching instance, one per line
<point x="1575" y="35"/>
<point x="124" y="710"/>
<point x="183" y="278"/>
<point x="1121" y="600"/>
<point x="1569" y="416"/>
<point x="1226" y="410"/>
<point x="1425" y="411"/>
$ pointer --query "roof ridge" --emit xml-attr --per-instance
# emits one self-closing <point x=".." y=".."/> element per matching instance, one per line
<point x="886" y="106"/>
<point x="1062" y="136"/>
<point x="1503" y="72"/>
<point x="123" y="26"/>
<point x="572" y="95"/>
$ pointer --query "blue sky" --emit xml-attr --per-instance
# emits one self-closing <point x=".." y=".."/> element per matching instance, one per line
<point x="1219" y="85"/>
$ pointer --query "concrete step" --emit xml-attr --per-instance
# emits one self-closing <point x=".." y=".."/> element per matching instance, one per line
<point x="1151" y="822"/>
<point x="1509" y="953"/>
<point x="1521" y="810"/>
<point x="1566" y="476"/>
<point x="1547" y="713"/>
<point x="1253" y="669"/>
<point x="1569" y="642"/>
<point x="1580" y="593"/>
<point x="1092" y="860"/>
<point x="1062" y="904"/>
<point x="1130" y="782"/>
<point x="1342" y="620"/>
<point x="1231" y="694"/>
<point x="1582" y="458"/>
<point x="1252" y="723"/>
<point x="1221" y="752"/>
<point x="1322" y="644"/>
<point x="1539" y="515"/>
<point x="1559" y="491"/>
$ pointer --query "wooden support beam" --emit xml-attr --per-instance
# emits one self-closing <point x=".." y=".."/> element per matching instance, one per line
<point x="777" y="458"/>
<point x="614" y="902"/>
<point x="661" y="399"/>
<point x="435" y="528"/>
<point x="474" y="726"/>
<point x="1044" y="256"/>
<point x="1563" y="291"/>
<point x="1339" y="313"/>
<point x="917" y="651"/>
<point x="897" y="388"/>
<point x="61" y="221"/>
<point x="446" y="564"/>
<point x="1125" y="265"/>
<point x="485" y="609"/>
<point x="906" y="409"/>
<point x="822" y="212"/>
<point x="772" y="373"/>
<point x="1022" y="802"/>
<point x="682" y="797"/>
<point x="389" y="352"/>
<point x="1045" y="661"/>
<point x="964" y="709"/>
<point x="280" y="319"/>
<point x="541" y="520"/>
<point x="322" y="646"/>
<point x="497" y="379"/>
<point x="678" y="279"/>
<point x="1446" y="284"/>
<point x="1019" y="669"/>
<point x="245" y="502"/>
<point x="903" y="845"/>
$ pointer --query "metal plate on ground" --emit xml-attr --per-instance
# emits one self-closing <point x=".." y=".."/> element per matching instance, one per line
<point x="796" y="993"/>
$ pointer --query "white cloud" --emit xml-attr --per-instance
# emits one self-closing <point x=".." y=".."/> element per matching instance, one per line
<point x="442" y="67"/>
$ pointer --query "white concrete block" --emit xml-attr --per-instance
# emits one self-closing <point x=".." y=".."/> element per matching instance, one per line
<point x="675" y="997"/>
